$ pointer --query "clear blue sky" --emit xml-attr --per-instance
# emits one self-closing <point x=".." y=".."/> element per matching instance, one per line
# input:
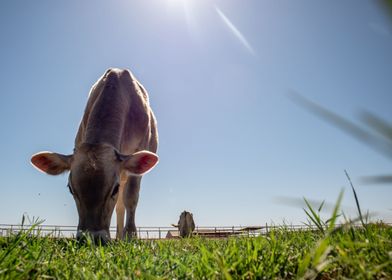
<point x="218" y="73"/>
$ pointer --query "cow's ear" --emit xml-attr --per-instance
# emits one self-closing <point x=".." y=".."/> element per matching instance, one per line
<point x="51" y="163"/>
<point x="139" y="163"/>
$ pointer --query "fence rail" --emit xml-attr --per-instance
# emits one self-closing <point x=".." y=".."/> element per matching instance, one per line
<point x="62" y="231"/>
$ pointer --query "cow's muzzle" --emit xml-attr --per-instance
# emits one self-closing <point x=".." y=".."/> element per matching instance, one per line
<point x="97" y="237"/>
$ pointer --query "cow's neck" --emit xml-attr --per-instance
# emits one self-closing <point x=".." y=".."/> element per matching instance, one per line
<point x="106" y="120"/>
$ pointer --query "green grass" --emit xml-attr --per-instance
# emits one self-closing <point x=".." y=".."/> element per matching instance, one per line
<point x="359" y="253"/>
<point x="330" y="252"/>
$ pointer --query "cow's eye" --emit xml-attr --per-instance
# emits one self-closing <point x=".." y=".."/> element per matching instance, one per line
<point x="115" y="189"/>
<point x="70" y="189"/>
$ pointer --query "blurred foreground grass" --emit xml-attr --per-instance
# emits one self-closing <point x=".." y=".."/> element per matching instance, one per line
<point x="360" y="253"/>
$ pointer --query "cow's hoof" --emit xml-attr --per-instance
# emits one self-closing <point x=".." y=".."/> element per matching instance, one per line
<point x="129" y="235"/>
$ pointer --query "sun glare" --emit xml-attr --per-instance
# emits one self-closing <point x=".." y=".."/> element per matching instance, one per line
<point x="235" y="31"/>
<point x="189" y="9"/>
<point x="177" y="2"/>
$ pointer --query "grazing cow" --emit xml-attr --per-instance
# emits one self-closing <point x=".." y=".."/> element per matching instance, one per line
<point x="115" y="145"/>
<point x="186" y="225"/>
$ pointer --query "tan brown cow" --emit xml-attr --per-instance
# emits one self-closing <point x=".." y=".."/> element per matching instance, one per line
<point x="115" y="145"/>
<point x="186" y="224"/>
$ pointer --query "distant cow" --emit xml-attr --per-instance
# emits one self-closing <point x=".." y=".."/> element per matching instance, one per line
<point x="186" y="225"/>
<point x="115" y="145"/>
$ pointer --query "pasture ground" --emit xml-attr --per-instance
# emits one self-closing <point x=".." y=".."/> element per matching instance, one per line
<point x="357" y="253"/>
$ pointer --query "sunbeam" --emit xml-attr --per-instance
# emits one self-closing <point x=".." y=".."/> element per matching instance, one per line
<point x="235" y="31"/>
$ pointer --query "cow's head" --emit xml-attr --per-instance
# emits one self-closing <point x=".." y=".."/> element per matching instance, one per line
<point x="94" y="180"/>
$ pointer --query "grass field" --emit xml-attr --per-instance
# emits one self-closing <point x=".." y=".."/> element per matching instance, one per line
<point x="330" y="252"/>
<point x="359" y="253"/>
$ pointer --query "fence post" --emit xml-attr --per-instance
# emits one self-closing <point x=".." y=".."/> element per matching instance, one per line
<point x="266" y="228"/>
<point x="159" y="232"/>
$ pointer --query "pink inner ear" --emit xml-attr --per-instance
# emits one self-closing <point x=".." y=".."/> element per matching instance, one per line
<point x="146" y="162"/>
<point x="41" y="162"/>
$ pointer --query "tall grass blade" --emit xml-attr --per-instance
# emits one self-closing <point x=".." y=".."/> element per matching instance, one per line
<point x="377" y="134"/>
<point x="321" y="206"/>
<point x="356" y="199"/>
<point x="377" y="124"/>
<point x="378" y="179"/>
<point x="373" y="141"/>
<point x="335" y="215"/>
<point x="314" y="216"/>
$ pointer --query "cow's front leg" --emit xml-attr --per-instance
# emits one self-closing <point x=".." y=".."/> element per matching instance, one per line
<point x="131" y="198"/>
<point x="120" y="211"/>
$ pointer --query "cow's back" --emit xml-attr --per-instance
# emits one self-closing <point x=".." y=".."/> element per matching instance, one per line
<point x="118" y="113"/>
